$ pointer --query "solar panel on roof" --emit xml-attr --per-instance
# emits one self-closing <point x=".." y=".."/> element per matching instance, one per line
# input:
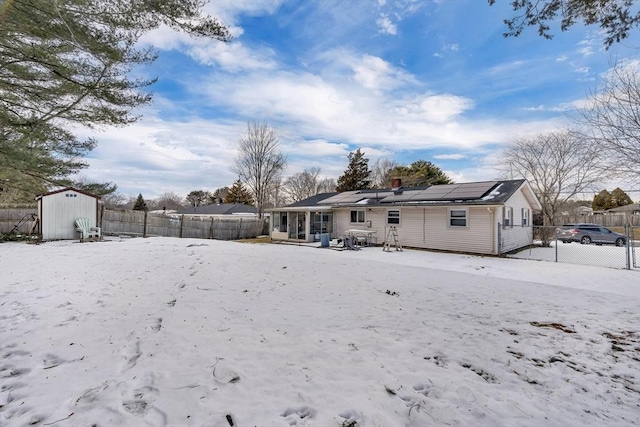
<point x="346" y="197"/>
<point x="471" y="191"/>
<point x="443" y="192"/>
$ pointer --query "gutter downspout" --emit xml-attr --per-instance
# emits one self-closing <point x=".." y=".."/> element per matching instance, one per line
<point x="493" y="231"/>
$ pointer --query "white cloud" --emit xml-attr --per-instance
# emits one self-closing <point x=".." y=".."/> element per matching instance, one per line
<point x="585" y="51"/>
<point x="434" y="108"/>
<point x="232" y="56"/>
<point x="450" y="156"/>
<point x="385" y="26"/>
<point x="560" y="108"/>
<point x="507" y="67"/>
<point x="375" y="73"/>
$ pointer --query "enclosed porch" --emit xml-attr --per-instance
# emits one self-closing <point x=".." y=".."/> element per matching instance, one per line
<point x="301" y="225"/>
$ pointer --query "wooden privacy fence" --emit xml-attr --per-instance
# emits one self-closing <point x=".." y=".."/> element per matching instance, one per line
<point x="17" y="220"/>
<point x="141" y="223"/>
<point x="608" y="220"/>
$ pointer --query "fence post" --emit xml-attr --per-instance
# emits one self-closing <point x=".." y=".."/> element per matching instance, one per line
<point x="211" y="229"/>
<point x="144" y="227"/>
<point x="556" y="245"/>
<point x="239" y="228"/>
<point x="101" y="217"/>
<point x="181" y="222"/>
<point x="499" y="238"/>
<point x="627" y="232"/>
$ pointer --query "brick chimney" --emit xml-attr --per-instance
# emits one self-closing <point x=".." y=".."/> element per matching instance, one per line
<point x="396" y="183"/>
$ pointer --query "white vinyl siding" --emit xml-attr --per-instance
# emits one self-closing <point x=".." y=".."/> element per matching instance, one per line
<point x="427" y="228"/>
<point x="515" y="235"/>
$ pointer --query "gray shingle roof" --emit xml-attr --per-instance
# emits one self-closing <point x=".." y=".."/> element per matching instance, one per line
<point x="219" y="209"/>
<point x="473" y="193"/>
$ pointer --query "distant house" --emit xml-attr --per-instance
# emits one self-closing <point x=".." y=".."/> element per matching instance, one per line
<point x="59" y="209"/>
<point x="489" y="217"/>
<point x="219" y="209"/>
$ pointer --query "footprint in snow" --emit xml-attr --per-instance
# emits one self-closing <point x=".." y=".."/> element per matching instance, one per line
<point x="140" y="401"/>
<point x="157" y="324"/>
<point x="294" y="415"/>
<point x="131" y="353"/>
<point x="351" y="418"/>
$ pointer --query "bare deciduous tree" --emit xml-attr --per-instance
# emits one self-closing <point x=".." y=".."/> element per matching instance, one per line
<point x="327" y="185"/>
<point x="259" y="162"/>
<point x="302" y="185"/>
<point x="612" y="120"/>
<point x="169" y="201"/>
<point x="381" y="172"/>
<point x="277" y="195"/>
<point x="117" y="201"/>
<point x="558" y="165"/>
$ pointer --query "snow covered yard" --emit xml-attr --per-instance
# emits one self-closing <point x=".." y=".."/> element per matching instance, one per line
<point x="184" y="332"/>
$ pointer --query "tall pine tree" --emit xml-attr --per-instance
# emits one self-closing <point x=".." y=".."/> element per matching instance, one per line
<point x="140" y="204"/>
<point x="356" y="177"/>
<point x="238" y="193"/>
<point x="420" y="173"/>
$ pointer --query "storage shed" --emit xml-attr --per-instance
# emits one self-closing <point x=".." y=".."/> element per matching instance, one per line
<point x="58" y="211"/>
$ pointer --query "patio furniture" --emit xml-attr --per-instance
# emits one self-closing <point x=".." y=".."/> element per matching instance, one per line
<point x="86" y="231"/>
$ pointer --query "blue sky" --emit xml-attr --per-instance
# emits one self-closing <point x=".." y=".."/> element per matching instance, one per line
<point x="405" y="80"/>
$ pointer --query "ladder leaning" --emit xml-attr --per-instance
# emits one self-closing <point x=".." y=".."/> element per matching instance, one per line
<point x="392" y="234"/>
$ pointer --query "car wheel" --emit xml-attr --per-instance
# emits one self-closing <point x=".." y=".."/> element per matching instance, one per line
<point x="585" y="240"/>
<point x="620" y="241"/>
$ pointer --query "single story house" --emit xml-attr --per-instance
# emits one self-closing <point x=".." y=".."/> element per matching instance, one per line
<point x="489" y="217"/>
<point x="59" y="209"/>
<point x="219" y="209"/>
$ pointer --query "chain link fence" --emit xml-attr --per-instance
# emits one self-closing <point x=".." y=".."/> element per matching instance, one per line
<point x="548" y="245"/>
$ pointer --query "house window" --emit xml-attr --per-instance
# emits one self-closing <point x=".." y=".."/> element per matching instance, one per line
<point x="357" y="217"/>
<point x="458" y="218"/>
<point x="283" y="222"/>
<point x="525" y="217"/>
<point x="393" y="217"/>
<point x="508" y="217"/>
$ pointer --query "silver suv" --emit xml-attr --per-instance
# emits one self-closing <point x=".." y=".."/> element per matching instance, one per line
<point x="589" y="233"/>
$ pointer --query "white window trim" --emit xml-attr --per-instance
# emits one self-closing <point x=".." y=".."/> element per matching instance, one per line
<point x="399" y="217"/>
<point x="364" y="218"/>
<point x="466" y="218"/>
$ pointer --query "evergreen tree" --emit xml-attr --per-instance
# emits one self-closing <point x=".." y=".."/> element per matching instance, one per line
<point x="238" y="193"/>
<point x="69" y="63"/>
<point x="219" y="195"/>
<point x="620" y="198"/>
<point x="197" y="197"/>
<point x="140" y="204"/>
<point x="602" y="201"/>
<point x="356" y="176"/>
<point x="420" y="173"/>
